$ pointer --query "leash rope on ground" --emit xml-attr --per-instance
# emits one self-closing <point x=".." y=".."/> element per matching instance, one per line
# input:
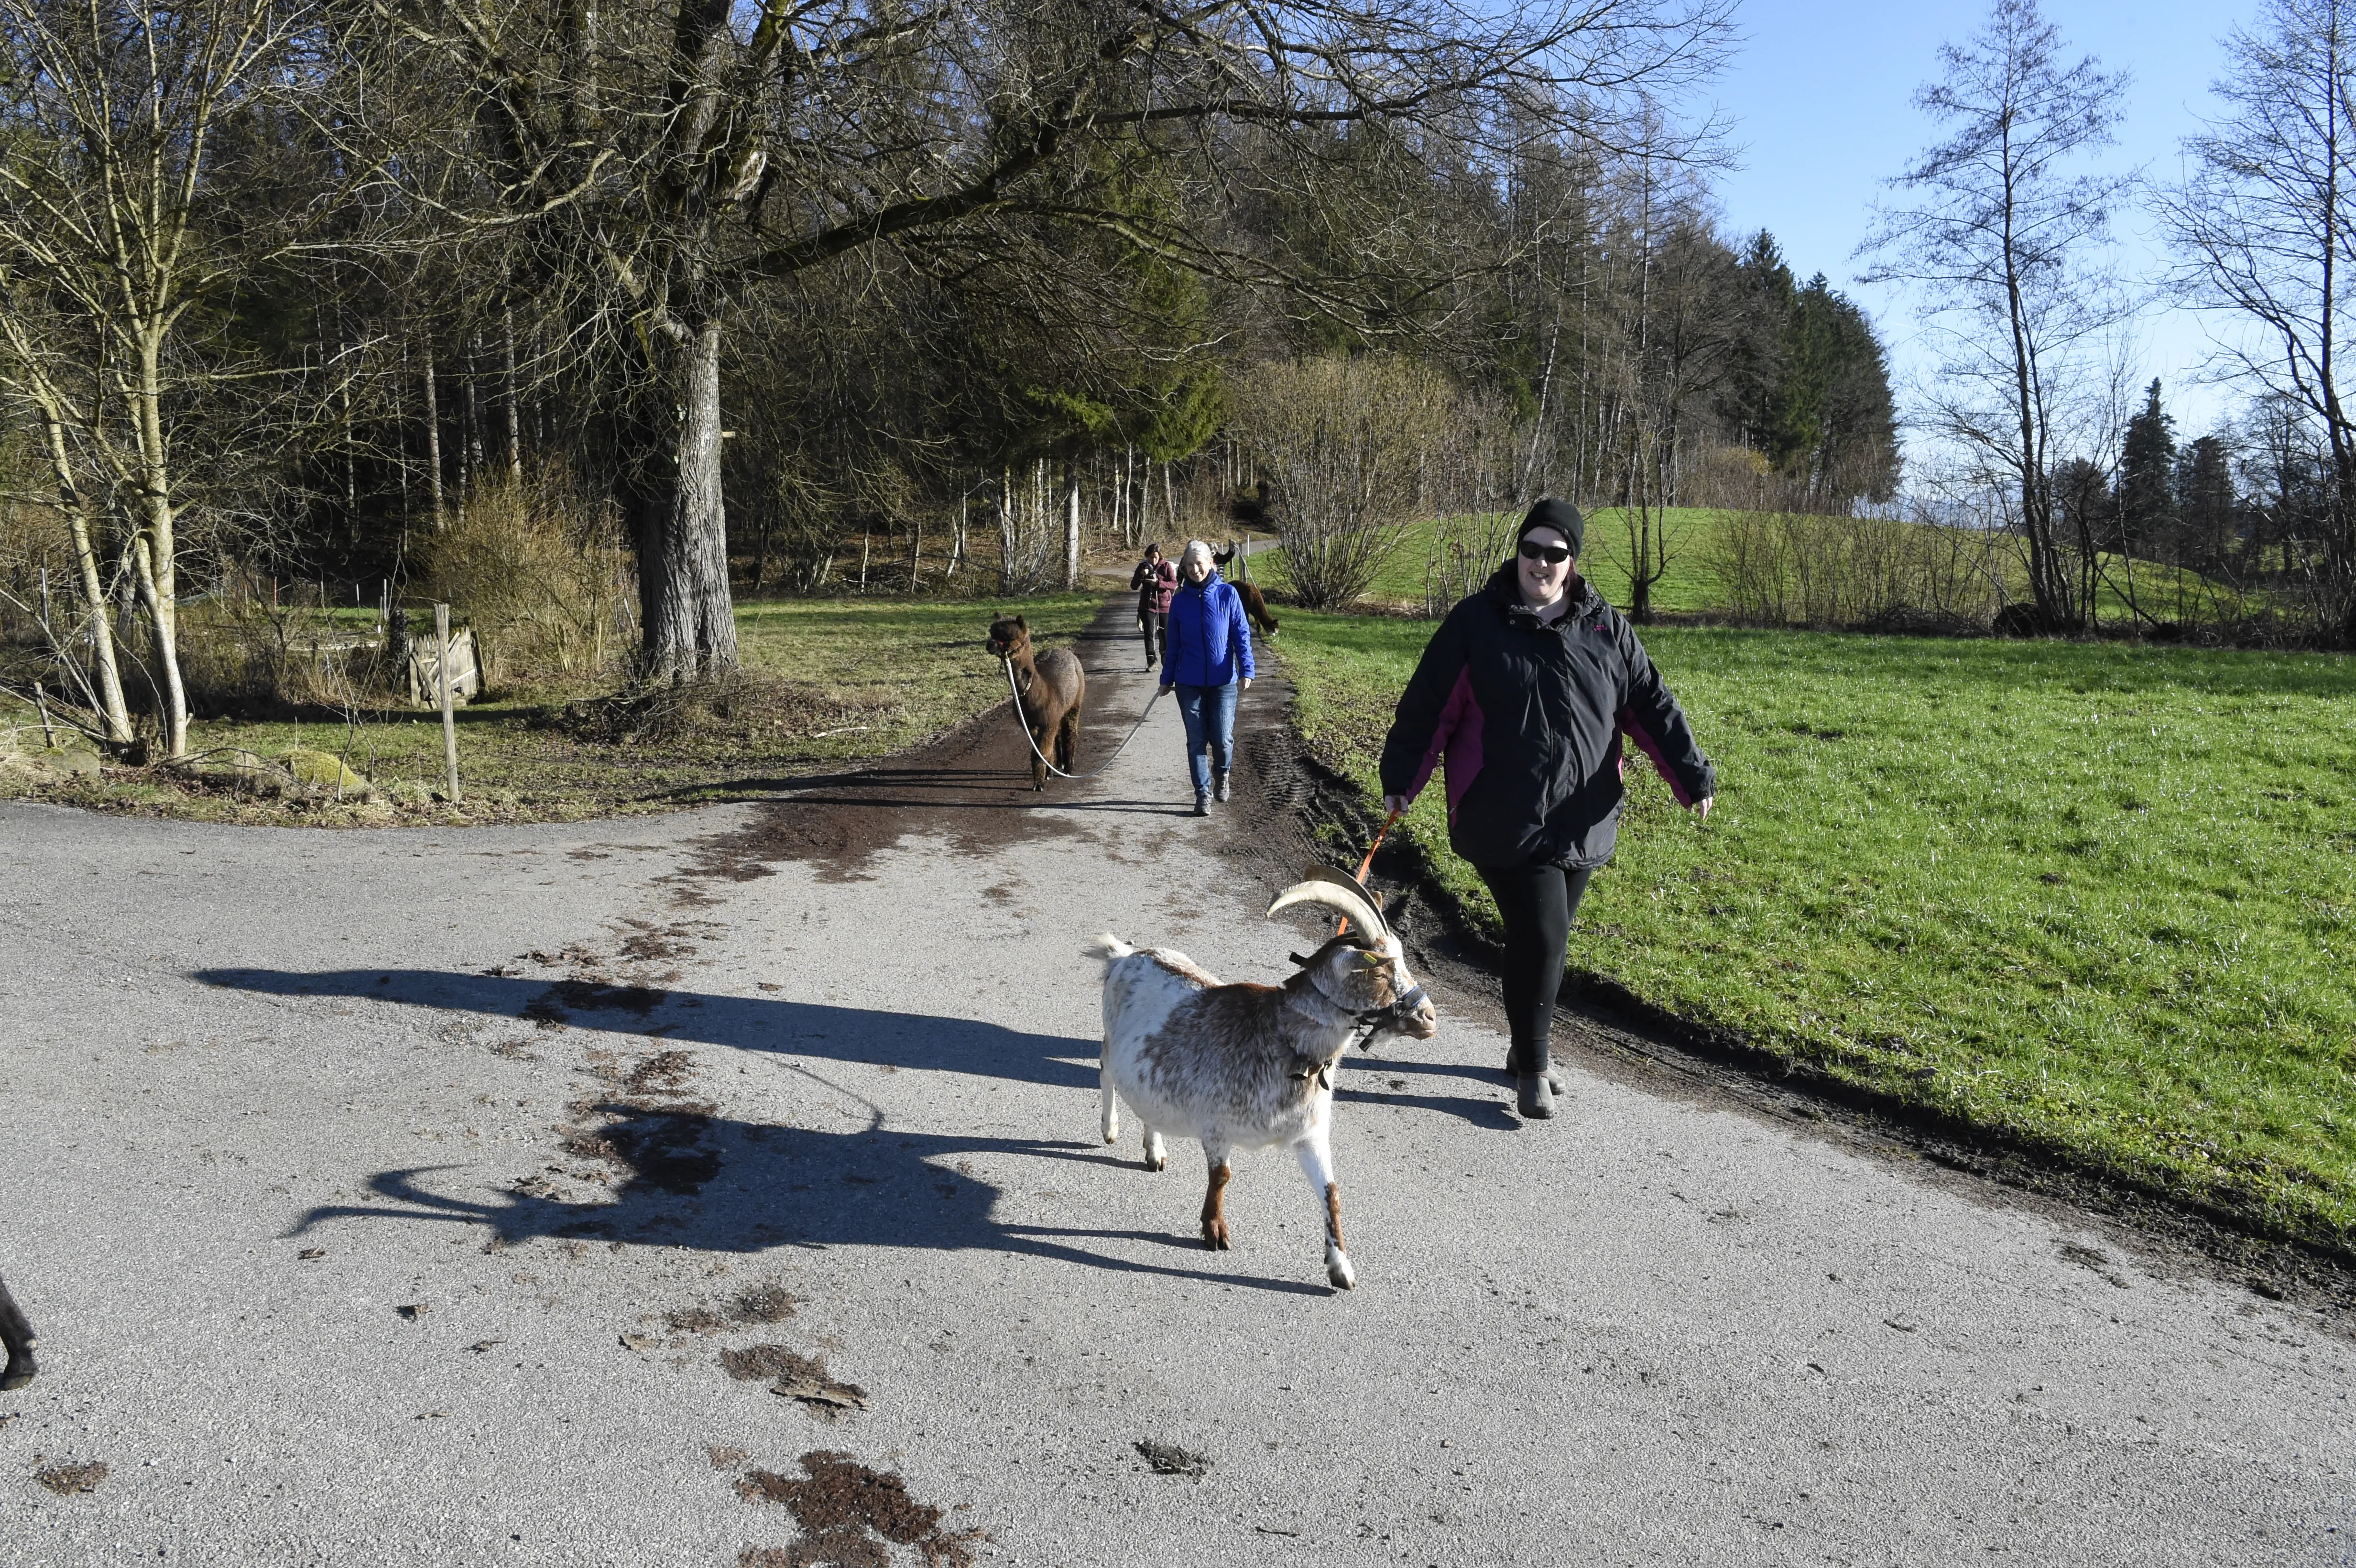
<point x="1016" y="694"/>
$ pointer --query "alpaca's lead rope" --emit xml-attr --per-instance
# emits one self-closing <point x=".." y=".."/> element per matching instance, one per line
<point x="1028" y="739"/>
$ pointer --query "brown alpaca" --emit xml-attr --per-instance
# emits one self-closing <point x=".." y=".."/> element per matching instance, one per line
<point x="1255" y="602"/>
<point x="1256" y="606"/>
<point x="17" y="1335"/>
<point x="1052" y="688"/>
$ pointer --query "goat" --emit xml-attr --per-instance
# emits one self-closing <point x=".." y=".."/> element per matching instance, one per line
<point x="17" y="1334"/>
<point x="1051" y="689"/>
<point x="1249" y="1066"/>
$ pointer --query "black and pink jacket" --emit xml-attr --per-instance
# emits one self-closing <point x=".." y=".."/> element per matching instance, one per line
<point x="1529" y="717"/>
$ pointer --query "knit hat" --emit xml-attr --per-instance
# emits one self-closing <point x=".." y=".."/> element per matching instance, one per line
<point x="1561" y="516"/>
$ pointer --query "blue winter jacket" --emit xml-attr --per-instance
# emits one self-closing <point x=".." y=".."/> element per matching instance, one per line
<point x="1210" y="640"/>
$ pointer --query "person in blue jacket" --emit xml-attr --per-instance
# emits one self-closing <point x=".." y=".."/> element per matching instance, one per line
<point x="1209" y="661"/>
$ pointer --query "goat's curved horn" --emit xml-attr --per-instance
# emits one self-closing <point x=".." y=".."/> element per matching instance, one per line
<point x="1335" y="892"/>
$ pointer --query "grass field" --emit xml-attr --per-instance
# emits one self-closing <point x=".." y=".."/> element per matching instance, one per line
<point x="2099" y="898"/>
<point x="833" y="681"/>
<point x="1690" y="585"/>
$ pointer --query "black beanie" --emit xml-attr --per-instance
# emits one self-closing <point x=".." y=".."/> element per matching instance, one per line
<point x="1561" y="516"/>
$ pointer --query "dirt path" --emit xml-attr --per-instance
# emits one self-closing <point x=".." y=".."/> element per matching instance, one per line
<point x="652" y="1192"/>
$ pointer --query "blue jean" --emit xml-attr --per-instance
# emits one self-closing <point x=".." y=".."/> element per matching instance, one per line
<point x="1210" y="715"/>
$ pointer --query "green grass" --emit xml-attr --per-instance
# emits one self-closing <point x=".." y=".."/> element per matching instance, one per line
<point x="835" y="681"/>
<point x="1690" y="587"/>
<point x="2101" y="899"/>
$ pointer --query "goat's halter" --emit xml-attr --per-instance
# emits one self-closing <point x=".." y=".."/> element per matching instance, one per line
<point x="1363" y="1027"/>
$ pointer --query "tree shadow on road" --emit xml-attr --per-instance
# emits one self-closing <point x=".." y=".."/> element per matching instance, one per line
<point x="772" y="1025"/>
<point x="776" y="1026"/>
<point x="717" y="1184"/>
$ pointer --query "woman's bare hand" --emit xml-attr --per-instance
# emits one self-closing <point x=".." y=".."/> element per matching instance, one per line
<point x="1701" y="806"/>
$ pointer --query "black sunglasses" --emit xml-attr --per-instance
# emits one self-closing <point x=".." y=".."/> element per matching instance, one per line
<point x="1552" y="554"/>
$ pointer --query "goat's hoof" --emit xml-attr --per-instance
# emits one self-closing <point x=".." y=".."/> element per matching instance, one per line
<point x="1215" y="1239"/>
<point x="1339" y="1274"/>
<point x="1156" y="1161"/>
<point x="1112" y="1137"/>
<point x="20" y="1371"/>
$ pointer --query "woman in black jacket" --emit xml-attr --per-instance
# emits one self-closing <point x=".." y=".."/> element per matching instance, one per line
<point x="1526" y="690"/>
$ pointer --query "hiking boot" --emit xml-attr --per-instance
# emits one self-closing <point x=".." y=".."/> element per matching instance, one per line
<point x="1202" y="806"/>
<point x="1536" y="1097"/>
<point x="1222" y="789"/>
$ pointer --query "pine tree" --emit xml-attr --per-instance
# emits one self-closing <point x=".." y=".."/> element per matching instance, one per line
<point x="2144" y="499"/>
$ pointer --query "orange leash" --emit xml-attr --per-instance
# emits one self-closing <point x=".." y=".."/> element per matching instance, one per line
<point x="1365" y="865"/>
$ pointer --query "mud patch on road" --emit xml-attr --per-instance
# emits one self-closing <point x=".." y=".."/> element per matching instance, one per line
<point x="1169" y="1460"/>
<point x="648" y="1128"/>
<point x="768" y="1302"/>
<point x="802" y="1378"/>
<point x="851" y="1518"/>
<point x="972" y="785"/>
<point x="68" y="1480"/>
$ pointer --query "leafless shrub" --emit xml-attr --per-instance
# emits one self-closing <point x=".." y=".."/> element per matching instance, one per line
<point x="1781" y="567"/>
<point x="540" y="572"/>
<point x="1342" y="441"/>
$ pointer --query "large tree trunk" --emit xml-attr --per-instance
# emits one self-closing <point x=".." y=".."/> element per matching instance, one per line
<point x="689" y="617"/>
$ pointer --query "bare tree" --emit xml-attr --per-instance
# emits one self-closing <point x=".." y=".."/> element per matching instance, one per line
<point x="111" y="244"/>
<point x="2002" y="241"/>
<point x="694" y="149"/>
<point x="2266" y="221"/>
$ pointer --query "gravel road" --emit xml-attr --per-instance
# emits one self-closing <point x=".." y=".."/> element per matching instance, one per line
<point x="412" y="1198"/>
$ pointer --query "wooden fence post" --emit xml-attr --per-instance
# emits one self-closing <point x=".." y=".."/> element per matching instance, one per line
<point x="449" y="719"/>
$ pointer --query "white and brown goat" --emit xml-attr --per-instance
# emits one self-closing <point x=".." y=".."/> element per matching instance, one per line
<point x="1249" y="1066"/>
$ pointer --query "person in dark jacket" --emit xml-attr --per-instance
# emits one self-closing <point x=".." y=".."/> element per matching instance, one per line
<point x="1154" y="581"/>
<point x="1526" y="691"/>
<point x="1210" y="658"/>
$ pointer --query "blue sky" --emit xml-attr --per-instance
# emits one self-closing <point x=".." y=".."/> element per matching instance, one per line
<point x="1818" y="99"/>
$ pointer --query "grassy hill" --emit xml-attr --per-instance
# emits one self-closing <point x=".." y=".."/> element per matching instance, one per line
<point x="1697" y="537"/>
<point x="2095" y="896"/>
<point x="1689" y="588"/>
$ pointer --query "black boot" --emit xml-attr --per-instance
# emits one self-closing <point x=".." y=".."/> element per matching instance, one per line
<point x="1553" y="1076"/>
<point x="1536" y="1097"/>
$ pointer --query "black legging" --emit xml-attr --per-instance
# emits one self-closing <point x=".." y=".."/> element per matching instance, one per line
<point x="1537" y="902"/>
